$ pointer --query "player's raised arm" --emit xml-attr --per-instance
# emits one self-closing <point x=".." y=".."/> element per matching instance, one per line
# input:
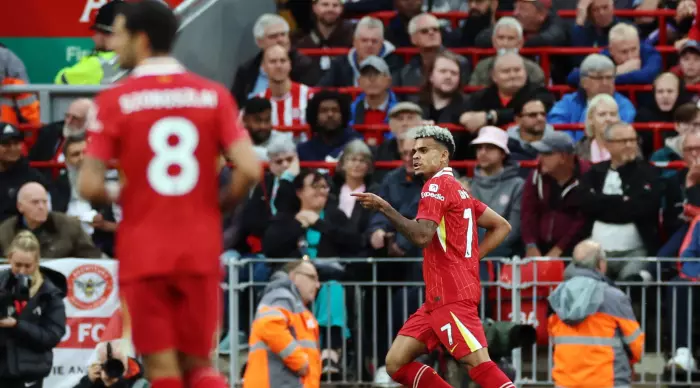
<point x="497" y="229"/>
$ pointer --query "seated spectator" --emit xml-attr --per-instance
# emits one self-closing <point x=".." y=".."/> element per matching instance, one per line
<point x="602" y="111"/>
<point x="289" y="99"/>
<point x="330" y="30"/>
<point x="97" y="221"/>
<point x="14" y="170"/>
<point x="328" y="114"/>
<point x="397" y="30"/>
<point x="594" y="19"/>
<point x="317" y="229"/>
<point x="688" y="67"/>
<point x="353" y="174"/>
<point x="636" y="63"/>
<point x="481" y="16"/>
<point x="552" y="221"/>
<point x="541" y="25"/>
<point x="507" y="36"/>
<point x="368" y="40"/>
<point x="669" y="94"/>
<point x="97" y="376"/>
<point x="59" y="235"/>
<point x="441" y="98"/>
<point x="251" y="79"/>
<point x="597" y="77"/>
<point x="49" y="139"/>
<point x="497" y="184"/>
<point x="257" y="119"/>
<point x="686" y="119"/>
<point x="495" y="104"/>
<point x="622" y="198"/>
<point x="530" y="126"/>
<point x="22" y="108"/>
<point x="402" y="117"/>
<point x="373" y="104"/>
<point x="425" y="35"/>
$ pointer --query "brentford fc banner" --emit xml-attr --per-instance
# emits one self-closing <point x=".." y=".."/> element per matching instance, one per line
<point x="91" y="302"/>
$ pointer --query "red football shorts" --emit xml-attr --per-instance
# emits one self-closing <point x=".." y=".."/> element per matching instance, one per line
<point x="456" y="325"/>
<point x="178" y="312"/>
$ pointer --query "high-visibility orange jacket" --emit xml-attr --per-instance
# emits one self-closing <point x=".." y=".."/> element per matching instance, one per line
<point x="596" y="337"/>
<point x="20" y="108"/>
<point x="284" y="339"/>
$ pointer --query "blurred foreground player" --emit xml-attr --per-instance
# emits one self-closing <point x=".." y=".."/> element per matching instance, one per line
<point x="166" y="128"/>
<point x="446" y="227"/>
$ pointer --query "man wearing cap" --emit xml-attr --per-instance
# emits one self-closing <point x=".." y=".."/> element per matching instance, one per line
<point x="14" y="170"/>
<point x="497" y="184"/>
<point x="101" y="66"/>
<point x="402" y="117"/>
<point x="552" y="221"/>
<point x="375" y="101"/>
<point x="688" y="67"/>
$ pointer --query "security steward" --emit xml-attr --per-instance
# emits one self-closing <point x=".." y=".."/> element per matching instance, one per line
<point x="101" y="66"/>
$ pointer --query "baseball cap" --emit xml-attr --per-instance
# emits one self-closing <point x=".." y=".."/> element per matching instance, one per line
<point x="554" y="142"/>
<point x="377" y="63"/>
<point x="690" y="45"/>
<point x="9" y="132"/>
<point x="494" y="136"/>
<point x="105" y="17"/>
<point x="405" y="106"/>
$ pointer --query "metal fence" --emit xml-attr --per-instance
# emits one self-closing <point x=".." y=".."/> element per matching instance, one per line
<point x="518" y="292"/>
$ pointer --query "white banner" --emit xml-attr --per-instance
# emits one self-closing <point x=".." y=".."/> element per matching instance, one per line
<point x="91" y="301"/>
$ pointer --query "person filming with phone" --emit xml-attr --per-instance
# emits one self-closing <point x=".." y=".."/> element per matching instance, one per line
<point x="32" y="315"/>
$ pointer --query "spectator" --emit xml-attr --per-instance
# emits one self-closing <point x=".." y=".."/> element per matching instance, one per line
<point x="402" y="117"/>
<point x="622" y="197"/>
<point x="251" y="79"/>
<point x="507" y="37"/>
<point x="636" y="63"/>
<point x="328" y="114"/>
<point x="424" y="30"/>
<point x="14" y="170"/>
<point x="97" y="376"/>
<point x="368" y="6"/>
<point x="594" y="19"/>
<point x="530" y="126"/>
<point x="597" y="77"/>
<point x="101" y="66"/>
<point x="353" y="174"/>
<point x="16" y="108"/>
<point x="688" y="67"/>
<point x="50" y="138"/>
<point x="587" y="306"/>
<point x="59" y="235"/>
<point x="552" y="221"/>
<point x="495" y="104"/>
<point x="257" y="119"/>
<point x="329" y="31"/>
<point x="497" y="184"/>
<point x="542" y="26"/>
<point x="397" y="31"/>
<point x="286" y="296"/>
<point x="441" y="98"/>
<point x="288" y="99"/>
<point x="602" y="111"/>
<point x="368" y="40"/>
<point x="686" y="119"/>
<point x="373" y="104"/>
<point x="481" y="16"/>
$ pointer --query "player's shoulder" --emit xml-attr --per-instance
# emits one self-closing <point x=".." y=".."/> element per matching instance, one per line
<point x="443" y="179"/>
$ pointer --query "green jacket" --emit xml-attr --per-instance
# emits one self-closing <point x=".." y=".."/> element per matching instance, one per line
<point x="95" y="69"/>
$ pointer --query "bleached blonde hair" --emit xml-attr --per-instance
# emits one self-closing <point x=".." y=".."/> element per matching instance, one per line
<point x="593" y="105"/>
<point x="24" y="241"/>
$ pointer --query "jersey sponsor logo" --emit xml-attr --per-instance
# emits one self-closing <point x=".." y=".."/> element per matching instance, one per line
<point x="433" y="188"/>
<point x="89" y="286"/>
<point x="439" y="197"/>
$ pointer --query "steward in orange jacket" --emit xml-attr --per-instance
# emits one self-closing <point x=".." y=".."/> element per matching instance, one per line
<point x="20" y="108"/>
<point x="284" y="339"/>
<point x="596" y="336"/>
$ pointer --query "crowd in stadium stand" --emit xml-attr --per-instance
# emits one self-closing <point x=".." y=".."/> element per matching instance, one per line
<point x="555" y="186"/>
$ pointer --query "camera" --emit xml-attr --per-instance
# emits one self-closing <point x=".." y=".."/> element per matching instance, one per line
<point x="113" y="367"/>
<point x="17" y="290"/>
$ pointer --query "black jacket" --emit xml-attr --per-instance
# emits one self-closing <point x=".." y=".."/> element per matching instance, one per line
<point x="639" y="204"/>
<point x="304" y="71"/>
<point x="10" y="182"/>
<point x="488" y="99"/>
<point x="26" y="351"/>
<point x="134" y="375"/>
<point x="676" y="195"/>
<point x="49" y="142"/>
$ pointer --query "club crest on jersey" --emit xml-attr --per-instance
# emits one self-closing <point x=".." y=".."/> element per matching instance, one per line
<point x="437" y="196"/>
<point x="433" y="188"/>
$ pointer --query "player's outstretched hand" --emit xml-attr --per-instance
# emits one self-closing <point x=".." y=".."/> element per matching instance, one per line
<point x="371" y="201"/>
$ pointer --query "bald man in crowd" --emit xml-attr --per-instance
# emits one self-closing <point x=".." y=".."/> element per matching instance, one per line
<point x="60" y="236"/>
<point x="50" y="138"/>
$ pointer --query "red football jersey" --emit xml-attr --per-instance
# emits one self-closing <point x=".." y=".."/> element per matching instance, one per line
<point x="290" y="109"/>
<point x="166" y="128"/>
<point x="451" y="261"/>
